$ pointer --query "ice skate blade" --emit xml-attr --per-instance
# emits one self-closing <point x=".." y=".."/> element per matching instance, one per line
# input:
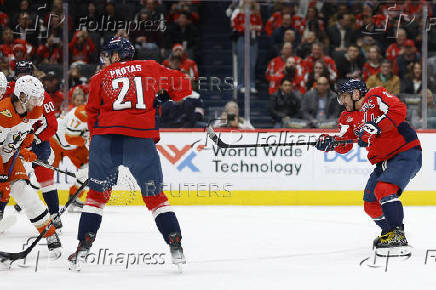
<point x="74" y="268"/>
<point x="7" y="222"/>
<point x="405" y="251"/>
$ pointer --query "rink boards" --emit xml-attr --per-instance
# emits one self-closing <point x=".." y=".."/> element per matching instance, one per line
<point x="197" y="172"/>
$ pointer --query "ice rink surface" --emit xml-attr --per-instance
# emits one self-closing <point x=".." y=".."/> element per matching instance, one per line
<point x="233" y="247"/>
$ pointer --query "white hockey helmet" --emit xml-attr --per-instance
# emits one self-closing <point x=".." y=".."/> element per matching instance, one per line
<point x="32" y="88"/>
<point x="3" y="84"/>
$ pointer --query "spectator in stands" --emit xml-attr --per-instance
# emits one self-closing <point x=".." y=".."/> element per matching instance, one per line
<point x="318" y="53"/>
<point x="185" y="64"/>
<point x="51" y="51"/>
<point x="316" y="26"/>
<point x="19" y="51"/>
<point x="25" y="29"/>
<point x="340" y="34"/>
<point x="147" y="37"/>
<point x="78" y="98"/>
<point x="183" y="32"/>
<point x="397" y="48"/>
<point x="23" y="8"/>
<point x="276" y="66"/>
<point x="305" y="48"/>
<point x="81" y="47"/>
<point x="385" y="78"/>
<point x="276" y="18"/>
<point x="403" y="64"/>
<point x="52" y="86"/>
<point x="349" y="64"/>
<point x="279" y="32"/>
<point x="372" y="65"/>
<point x="320" y="105"/>
<point x="4" y="65"/>
<point x="238" y="26"/>
<point x="7" y="42"/>
<point x="230" y="118"/>
<point x="284" y="105"/>
<point x="412" y="84"/>
<point x="319" y="70"/>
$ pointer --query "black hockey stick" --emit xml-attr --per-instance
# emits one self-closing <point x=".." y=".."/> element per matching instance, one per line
<point x="46" y="165"/>
<point x="12" y="257"/>
<point x="218" y="141"/>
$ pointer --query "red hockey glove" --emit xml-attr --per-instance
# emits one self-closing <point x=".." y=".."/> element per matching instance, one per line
<point x="368" y="131"/>
<point x="28" y="155"/>
<point x="5" y="189"/>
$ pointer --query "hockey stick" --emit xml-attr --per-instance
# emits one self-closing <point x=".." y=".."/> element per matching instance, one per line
<point x="218" y="141"/>
<point x="46" y="165"/>
<point x="12" y="257"/>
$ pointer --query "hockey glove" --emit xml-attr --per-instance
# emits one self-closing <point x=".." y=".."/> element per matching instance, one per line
<point x="161" y="97"/>
<point x="368" y="130"/>
<point x="326" y="143"/>
<point x="28" y="155"/>
<point x="5" y="189"/>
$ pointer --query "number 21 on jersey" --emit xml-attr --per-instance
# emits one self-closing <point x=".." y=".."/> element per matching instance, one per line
<point x="120" y="103"/>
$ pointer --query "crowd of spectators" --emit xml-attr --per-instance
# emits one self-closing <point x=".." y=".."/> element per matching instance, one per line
<point x="329" y="42"/>
<point x="311" y="48"/>
<point x="165" y="31"/>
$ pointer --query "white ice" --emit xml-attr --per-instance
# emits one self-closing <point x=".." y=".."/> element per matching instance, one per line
<point x="235" y="247"/>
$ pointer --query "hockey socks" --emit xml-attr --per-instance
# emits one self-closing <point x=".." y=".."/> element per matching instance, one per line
<point x="89" y="223"/>
<point x="51" y="198"/>
<point x="167" y="223"/>
<point x="393" y="211"/>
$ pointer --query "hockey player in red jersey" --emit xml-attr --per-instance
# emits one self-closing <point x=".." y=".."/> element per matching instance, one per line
<point x="123" y="123"/>
<point x="377" y="119"/>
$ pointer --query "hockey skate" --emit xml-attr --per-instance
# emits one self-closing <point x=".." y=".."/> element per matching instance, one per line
<point x="54" y="246"/>
<point x="392" y="244"/>
<point x="78" y="258"/>
<point x="176" y="250"/>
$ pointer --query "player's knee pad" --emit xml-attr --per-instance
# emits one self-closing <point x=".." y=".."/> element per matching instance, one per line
<point x="156" y="201"/>
<point x="373" y="209"/>
<point x="45" y="178"/>
<point x="385" y="191"/>
<point x="30" y="202"/>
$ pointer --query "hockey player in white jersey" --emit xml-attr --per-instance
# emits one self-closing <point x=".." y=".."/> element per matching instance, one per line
<point x="17" y="116"/>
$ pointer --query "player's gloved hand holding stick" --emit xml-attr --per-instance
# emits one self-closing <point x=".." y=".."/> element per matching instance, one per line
<point x="368" y="131"/>
<point x="326" y="143"/>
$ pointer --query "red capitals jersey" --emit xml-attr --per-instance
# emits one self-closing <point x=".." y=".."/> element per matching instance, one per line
<point x="43" y="129"/>
<point x="389" y="114"/>
<point x="121" y="97"/>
